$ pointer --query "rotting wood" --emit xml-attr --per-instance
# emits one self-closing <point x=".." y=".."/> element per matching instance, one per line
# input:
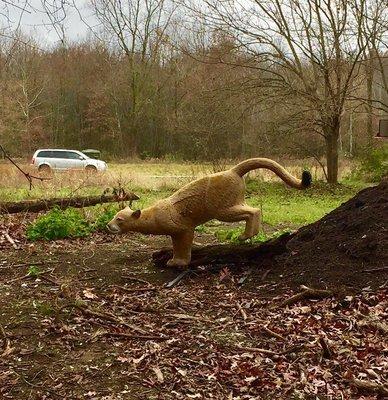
<point x="35" y="206"/>
<point x="307" y="293"/>
<point x="227" y="254"/>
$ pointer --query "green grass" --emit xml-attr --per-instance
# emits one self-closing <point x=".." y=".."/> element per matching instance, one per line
<point x="282" y="206"/>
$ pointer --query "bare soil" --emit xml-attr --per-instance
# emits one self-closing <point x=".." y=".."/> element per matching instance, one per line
<point x="94" y="321"/>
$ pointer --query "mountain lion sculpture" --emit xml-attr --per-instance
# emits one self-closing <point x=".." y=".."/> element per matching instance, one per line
<point x="217" y="196"/>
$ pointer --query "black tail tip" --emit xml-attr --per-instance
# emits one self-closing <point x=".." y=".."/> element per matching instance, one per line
<point x="306" y="179"/>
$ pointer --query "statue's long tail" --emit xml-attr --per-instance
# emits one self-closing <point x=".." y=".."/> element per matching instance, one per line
<point x="256" y="163"/>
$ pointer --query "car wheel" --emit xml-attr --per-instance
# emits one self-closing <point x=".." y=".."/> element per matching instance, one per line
<point x="90" y="169"/>
<point x="45" y="169"/>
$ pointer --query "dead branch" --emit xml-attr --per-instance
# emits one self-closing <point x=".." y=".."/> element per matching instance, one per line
<point x="132" y="336"/>
<point x="307" y="293"/>
<point x="27" y="175"/>
<point x="106" y="316"/>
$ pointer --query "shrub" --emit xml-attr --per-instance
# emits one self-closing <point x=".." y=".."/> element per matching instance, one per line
<point x="59" y="224"/>
<point x="375" y="165"/>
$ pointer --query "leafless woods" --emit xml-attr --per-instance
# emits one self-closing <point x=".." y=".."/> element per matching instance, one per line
<point x="200" y="80"/>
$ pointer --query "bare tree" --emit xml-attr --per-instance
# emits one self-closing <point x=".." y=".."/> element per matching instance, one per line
<point x="310" y="51"/>
<point x="138" y="27"/>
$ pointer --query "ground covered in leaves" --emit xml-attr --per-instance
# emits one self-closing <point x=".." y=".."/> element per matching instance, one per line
<point x="92" y="319"/>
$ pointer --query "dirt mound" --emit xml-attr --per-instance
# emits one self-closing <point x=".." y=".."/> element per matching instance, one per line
<point x="346" y="247"/>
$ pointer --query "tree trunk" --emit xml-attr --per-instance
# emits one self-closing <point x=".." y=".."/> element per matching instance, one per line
<point x="332" y="156"/>
<point x="77" y="202"/>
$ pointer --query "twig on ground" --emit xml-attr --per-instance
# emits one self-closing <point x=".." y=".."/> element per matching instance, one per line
<point x="273" y="334"/>
<point x="242" y="312"/>
<point x="370" y="386"/>
<point x="265" y="274"/>
<point x="27" y="175"/>
<point x="132" y="278"/>
<point x="256" y="350"/>
<point x="28" y="264"/>
<point x="10" y="240"/>
<point x="307" y="293"/>
<point x="293" y="349"/>
<point x="107" y="316"/>
<point x="327" y="351"/>
<point x="375" y="269"/>
<point x="47" y="279"/>
<point x="132" y="336"/>
<point x="141" y="289"/>
<point x="7" y="343"/>
<point x="181" y="276"/>
<point x="38" y="275"/>
<point x="375" y="324"/>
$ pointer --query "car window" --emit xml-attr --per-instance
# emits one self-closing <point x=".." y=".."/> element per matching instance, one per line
<point x="73" y="156"/>
<point x="45" y="153"/>
<point x="58" y="154"/>
<point x="68" y="155"/>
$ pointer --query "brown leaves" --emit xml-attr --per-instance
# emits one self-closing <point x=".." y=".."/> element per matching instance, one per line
<point x="199" y="340"/>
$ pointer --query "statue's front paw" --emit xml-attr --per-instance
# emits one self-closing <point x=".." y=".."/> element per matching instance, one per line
<point x="177" y="263"/>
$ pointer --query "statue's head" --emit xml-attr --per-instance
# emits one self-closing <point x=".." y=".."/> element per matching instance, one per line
<point x="125" y="220"/>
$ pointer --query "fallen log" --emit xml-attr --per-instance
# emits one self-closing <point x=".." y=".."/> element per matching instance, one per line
<point x="35" y="206"/>
<point x="227" y="253"/>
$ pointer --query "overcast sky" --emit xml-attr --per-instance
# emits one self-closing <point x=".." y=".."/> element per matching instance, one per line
<point x="32" y="19"/>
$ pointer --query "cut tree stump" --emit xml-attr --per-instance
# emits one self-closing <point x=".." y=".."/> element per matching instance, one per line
<point x="35" y="206"/>
<point x="227" y="254"/>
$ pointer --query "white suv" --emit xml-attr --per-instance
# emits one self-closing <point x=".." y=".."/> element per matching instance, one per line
<point x="47" y="160"/>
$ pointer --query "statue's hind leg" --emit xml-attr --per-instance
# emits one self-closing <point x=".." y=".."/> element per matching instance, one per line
<point x="250" y="215"/>
<point x="181" y="244"/>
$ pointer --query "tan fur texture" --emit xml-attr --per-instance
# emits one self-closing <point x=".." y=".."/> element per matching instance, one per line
<point x="217" y="196"/>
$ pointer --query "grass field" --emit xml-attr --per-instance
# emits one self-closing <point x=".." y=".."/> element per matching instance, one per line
<point x="281" y="206"/>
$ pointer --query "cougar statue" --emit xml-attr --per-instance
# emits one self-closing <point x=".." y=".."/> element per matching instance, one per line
<point x="217" y="196"/>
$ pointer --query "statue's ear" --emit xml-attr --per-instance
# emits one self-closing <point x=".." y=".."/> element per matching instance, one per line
<point x="136" y="214"/>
